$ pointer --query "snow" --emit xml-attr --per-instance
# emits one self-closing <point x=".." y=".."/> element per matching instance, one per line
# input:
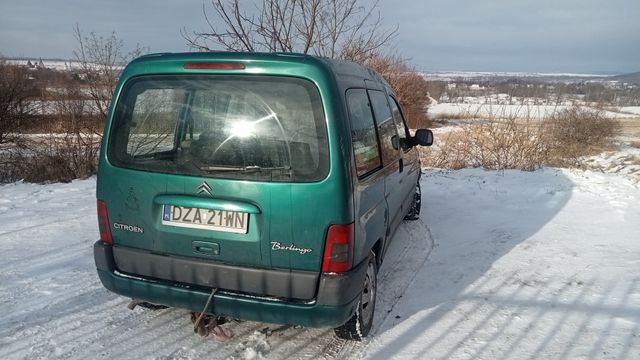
<point x="481" y="109"/>
<point x="625" y="161"/>
<point x="54" y="64"/>
<point x="510" y="74"/>
<point x="502" y="264"/>
<point x="55" y="107"/>
<point x="630" y="109"/>
<point x="526" y="265"/>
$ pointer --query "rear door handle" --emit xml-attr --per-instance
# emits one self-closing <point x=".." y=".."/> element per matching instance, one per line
<point x="206" y="248"/>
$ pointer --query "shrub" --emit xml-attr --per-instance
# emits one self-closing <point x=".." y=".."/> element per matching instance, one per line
<point x="576" y="132"/>
<point x="526" y="144"/>
<point x="15" y="108"/>
<point x="46" y="167"/>
<point x="496" y="144"/>
<point x="69" y="149"/>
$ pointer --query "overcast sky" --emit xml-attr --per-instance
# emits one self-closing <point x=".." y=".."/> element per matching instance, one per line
<point x="601" y="36"/>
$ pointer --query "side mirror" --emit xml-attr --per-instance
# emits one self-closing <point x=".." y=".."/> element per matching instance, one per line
<point x="398" y="142"/>
<point x="422" y="137"/>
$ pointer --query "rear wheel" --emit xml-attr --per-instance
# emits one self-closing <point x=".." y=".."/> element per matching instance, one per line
<point x="414" y="209"/>
<point x="358" y="327"/>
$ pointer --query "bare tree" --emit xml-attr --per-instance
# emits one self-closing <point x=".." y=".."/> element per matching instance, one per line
<point x="333" y="28"/>
<point x="101" y="61"/>
<point x="342" y="29"/>
<point x="15" y="109"/>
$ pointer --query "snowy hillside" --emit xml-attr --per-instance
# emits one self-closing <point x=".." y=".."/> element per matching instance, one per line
<point x="519" y="265"/>
<point x="482" y="109"/>
<point x="54" y="64"/>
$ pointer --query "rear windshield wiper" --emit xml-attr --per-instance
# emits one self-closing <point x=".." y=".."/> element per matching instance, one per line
<point x="165" y="155"/>
<point x="249" y="168"/>
<point x="256" y="168"/>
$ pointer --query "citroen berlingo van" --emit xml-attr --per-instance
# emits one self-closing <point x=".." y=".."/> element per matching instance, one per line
<point x="274" y="181"/>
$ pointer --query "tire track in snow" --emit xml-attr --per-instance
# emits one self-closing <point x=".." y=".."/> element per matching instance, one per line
<point x="398" y="272"/>
<point x="53" y="231"/>
<point x="36" y="226"/>
<point x="414" y="255"/>
<point x="44" y="236"/>
<point x="78" y="314"/>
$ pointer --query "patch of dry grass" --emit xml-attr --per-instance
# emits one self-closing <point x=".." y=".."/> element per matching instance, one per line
<point x="505" y="144"/>
<point x="508" y="143"/>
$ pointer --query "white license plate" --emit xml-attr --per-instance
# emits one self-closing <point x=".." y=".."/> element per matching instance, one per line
<point x="209" y="219"/>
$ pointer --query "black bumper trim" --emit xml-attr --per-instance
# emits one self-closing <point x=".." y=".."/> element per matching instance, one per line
<point x="103" y="256"/>
<point x="279" y="283"/>
<point x="332" y="289"/>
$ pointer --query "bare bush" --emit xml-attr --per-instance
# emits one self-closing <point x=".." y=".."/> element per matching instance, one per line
<point x="507" y="143"/>
<point x="495" y="144"/>
<point x="15" y="109"/>
<point x="45" y="167"/>
<point x="577" y="132"/>
<point x="78" y="143"/>
<point x="73" y="129"/>
<point x="68" y="150"/>
<point x="448" y="152"/>
<point x="101" y="61"/>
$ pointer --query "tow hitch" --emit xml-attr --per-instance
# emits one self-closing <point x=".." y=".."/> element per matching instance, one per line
<point x="205" y="324"/>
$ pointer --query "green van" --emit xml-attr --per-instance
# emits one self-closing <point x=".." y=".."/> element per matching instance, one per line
<point x="274" y="181"/>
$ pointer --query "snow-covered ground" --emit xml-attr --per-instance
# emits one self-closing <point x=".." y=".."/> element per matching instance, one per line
<point x="510" y="74"/>
<point x="55" y="64"/>
<point x="526" y="265"/>
<point x="625" y="161"/>
<point x="522" y="111"/>
<point x="630" y="109"/>
<point x="509" y="264"/>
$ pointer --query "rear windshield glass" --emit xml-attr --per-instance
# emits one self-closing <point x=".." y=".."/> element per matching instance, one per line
<point x="240" y="127"/>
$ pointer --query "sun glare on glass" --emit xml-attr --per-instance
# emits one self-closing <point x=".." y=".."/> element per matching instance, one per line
<point x="242" y="129"/>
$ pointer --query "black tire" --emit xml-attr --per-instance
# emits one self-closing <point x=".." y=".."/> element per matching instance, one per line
<point x="414" y="209"/>
<point x="358" y="327"/>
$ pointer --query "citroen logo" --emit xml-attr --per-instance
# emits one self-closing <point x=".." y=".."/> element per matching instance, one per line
<point x="205" y="189"/>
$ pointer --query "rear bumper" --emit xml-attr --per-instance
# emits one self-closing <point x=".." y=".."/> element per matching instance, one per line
<point x="335" y="302"/>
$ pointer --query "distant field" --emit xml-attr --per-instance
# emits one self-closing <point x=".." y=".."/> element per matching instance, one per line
<point x="521" y="111"/>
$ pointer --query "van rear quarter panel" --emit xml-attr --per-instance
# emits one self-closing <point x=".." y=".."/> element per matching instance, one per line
<point x="291" y="213"/>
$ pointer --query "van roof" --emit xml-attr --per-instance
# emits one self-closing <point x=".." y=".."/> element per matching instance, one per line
<point x="346" y="71"/>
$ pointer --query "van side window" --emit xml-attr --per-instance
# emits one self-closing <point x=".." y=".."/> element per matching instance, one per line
<point x="386" y="127"/>
<point x="363" y="132"/>
<point x="398" y="119"/>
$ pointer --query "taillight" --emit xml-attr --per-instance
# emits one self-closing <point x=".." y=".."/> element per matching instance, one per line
<point x="214" y="66"/>
<point x="338" y="249"/>
<point x="103" y="223"/>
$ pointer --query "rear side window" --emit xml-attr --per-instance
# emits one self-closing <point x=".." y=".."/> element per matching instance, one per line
<point x="240" y="127"/>
<point x="363" y="132"/>
<point x="398" y="119"/>
<point x="386" y="126"/>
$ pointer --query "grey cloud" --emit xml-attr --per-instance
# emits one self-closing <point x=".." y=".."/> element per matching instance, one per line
<point x="514" y="35"/>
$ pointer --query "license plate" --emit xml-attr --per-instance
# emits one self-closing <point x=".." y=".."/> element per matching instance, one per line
<point x="209" y="219"/>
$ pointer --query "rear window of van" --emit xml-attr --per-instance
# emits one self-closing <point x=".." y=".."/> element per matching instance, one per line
<point x="263" y="128"/>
